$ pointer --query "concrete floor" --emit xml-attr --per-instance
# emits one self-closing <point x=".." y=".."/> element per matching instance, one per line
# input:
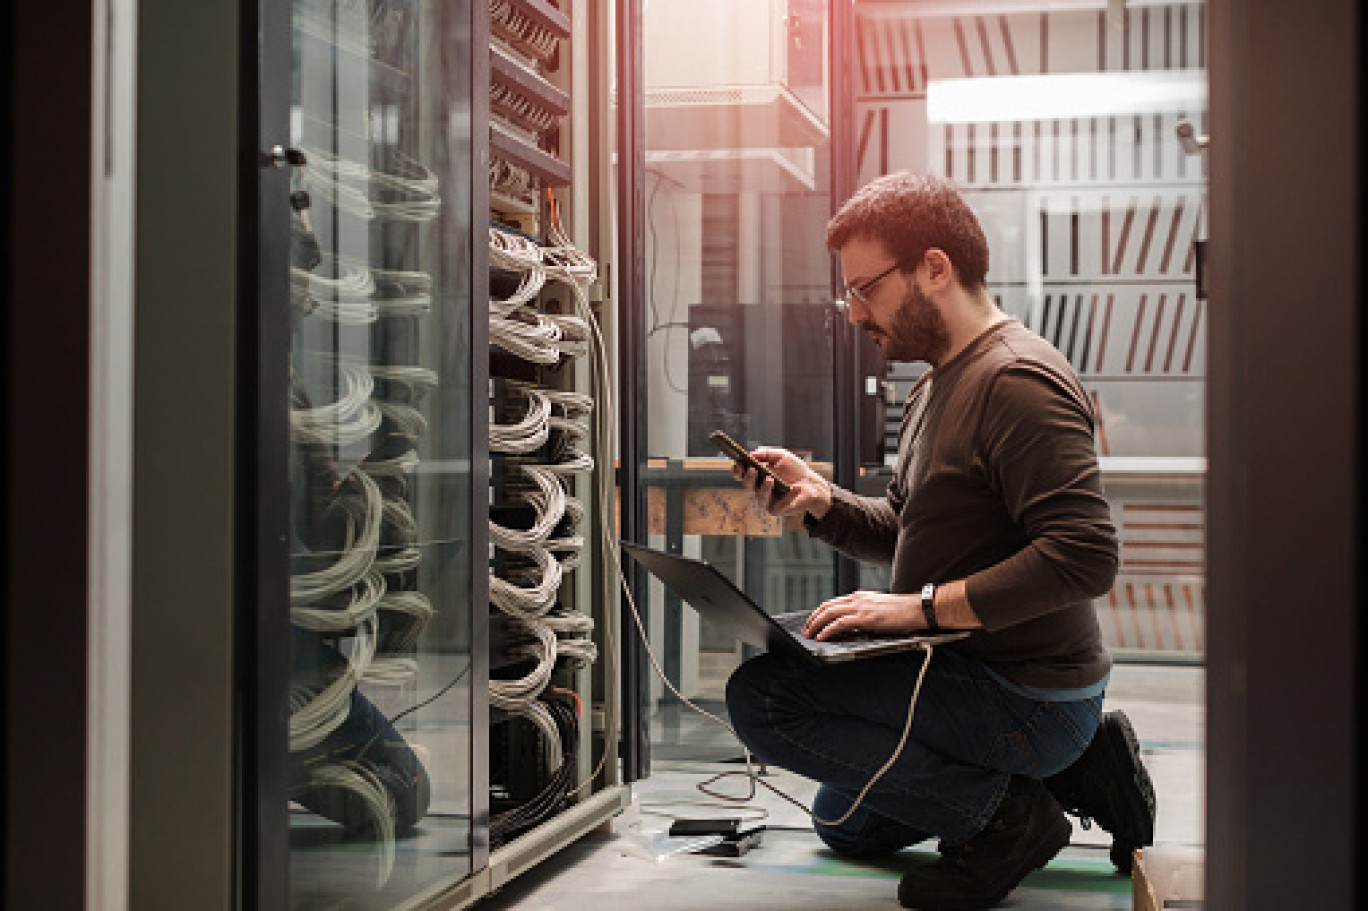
<point x="791" y="869"/>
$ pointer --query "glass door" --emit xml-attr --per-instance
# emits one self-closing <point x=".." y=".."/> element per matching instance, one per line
<point x="381" y="380"/>
<point x="740" y="329"/>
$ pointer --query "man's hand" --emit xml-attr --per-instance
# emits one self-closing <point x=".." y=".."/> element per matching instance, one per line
<point x="866" y="612"/>
<point x="810" y="492"/>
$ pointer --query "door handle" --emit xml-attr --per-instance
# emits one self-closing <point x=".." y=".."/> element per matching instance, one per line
<point x="280" y="157"/>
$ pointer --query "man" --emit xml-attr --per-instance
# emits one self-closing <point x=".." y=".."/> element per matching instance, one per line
<point x="995" y="523"/>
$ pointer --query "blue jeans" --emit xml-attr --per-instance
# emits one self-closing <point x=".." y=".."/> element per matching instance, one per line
<point x="838" y="724"/>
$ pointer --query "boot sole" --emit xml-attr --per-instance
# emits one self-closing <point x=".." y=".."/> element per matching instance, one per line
<point x="1136" y="827"/>
<point x="1053" y="841"/>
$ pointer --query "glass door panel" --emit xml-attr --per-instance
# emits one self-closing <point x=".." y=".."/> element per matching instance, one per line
<point x="380" y="457"/>
<point x="740" y="325"/>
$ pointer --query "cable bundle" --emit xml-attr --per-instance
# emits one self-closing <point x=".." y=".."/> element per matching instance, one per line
<point x="529" y="38"/>
<point x="361" y="780"/>
<point x="513" y="181"/>
<point x="530" y="432"/>
<point x="572" y="630"/>
<point x="315" y="712"/>
<point x="528" y="117"/>
<point x="350" y="419"/>
<point x="346" y="291"/>
<point x="362" y="511"/>
<point x="347" y="298"/>
<point x="515" y="326"/>
<point x="410" y="193"/>
<point x="543" y="436"/>
<point x="561" y="719"/>
<point x="402" y="292"/>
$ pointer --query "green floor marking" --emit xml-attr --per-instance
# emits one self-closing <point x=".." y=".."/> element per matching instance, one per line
<point x="1062" y="875"/>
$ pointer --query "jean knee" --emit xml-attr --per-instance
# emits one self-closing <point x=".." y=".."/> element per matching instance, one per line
<point x="746" y="689"/>
<point x="843" y="838"/>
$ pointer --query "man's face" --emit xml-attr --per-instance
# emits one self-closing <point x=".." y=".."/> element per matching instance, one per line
<point x="893" y="309"/>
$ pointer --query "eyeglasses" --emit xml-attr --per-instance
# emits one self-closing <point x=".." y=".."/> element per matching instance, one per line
<point x="861" y="291"/>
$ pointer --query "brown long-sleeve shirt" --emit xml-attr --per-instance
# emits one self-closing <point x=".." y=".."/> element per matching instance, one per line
<point x="997" y="483"/>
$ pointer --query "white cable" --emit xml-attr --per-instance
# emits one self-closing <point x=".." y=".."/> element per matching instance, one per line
<point x="362" y="602"/>
<point x="397" y="467"/>
<point x="404" y="555"/>
<point x="390" y="670"/>
<point x="537" y="713"/>
<point x="416" y="606"/>
<point x="402" y="292"/>
<point x="522" y="108"/>
<point x="406" y="420"/>
<point x="362" y="537"/>
<point x="527" y="434"/>
<point x="360" y="780"/>
<point x="514" y="694"/>
<point x="532" y="338"/>
<point x="572" y="629"/>
<point x="536" y="39"/>
<point x="367" y="193"/>
<point x="314" y="714"/>
<point x="528" y="601"/>
<point x="353" y="417"/>
<point x="549" y="501"/>
<point x="359" y="294"/>
<point x="415" y="381"/>
<point x="513" y="181"/>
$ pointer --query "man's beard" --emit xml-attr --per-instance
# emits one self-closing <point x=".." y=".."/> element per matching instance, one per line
<point x="918" y="333"/>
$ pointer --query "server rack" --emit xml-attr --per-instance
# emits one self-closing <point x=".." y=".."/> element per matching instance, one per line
<point x="424" y="714"/>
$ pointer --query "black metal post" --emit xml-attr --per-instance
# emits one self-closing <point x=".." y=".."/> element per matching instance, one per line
<point x="631" y="346"/>
<point x="846" y="361"/>
<point x="263" y="512"/>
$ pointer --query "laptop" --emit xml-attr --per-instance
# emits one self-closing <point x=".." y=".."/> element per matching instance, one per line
<point x="714" y="597"/>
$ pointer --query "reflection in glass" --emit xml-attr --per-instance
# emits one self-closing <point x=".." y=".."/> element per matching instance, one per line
<point x="380" y="452"/>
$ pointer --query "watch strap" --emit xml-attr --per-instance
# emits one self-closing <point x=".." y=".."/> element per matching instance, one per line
<point x="928" y="606"/>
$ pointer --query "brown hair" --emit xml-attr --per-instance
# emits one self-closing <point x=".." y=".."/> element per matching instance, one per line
<point x="910" y="214"/>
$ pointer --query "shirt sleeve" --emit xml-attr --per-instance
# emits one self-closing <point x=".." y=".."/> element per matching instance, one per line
<point x="865" y="528"/>
<point x="1037" y="450"/>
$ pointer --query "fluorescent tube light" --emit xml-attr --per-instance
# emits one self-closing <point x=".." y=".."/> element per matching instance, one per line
<point x="1058" y="96"/>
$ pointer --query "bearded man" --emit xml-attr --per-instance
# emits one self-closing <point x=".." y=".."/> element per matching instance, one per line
<point x="994" y="522"/>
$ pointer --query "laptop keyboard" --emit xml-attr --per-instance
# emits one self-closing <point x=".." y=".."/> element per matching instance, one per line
<point x="793" y="622"/>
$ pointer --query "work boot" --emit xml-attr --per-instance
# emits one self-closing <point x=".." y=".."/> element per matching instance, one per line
<point x="1109" y="784"/>
<point x="1028" y="829"/>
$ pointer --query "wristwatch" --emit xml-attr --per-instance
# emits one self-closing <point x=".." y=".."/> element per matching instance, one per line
<point x="928" y="606"/>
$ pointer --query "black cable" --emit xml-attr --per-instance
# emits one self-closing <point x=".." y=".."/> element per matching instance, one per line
<point x="409" y="711"/>
<point x="503" y="826"/>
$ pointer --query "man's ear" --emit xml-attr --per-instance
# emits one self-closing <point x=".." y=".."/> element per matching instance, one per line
<point x="940" y="272"/>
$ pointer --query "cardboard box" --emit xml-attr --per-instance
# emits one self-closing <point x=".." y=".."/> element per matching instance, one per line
<point x="1168" y="878"/>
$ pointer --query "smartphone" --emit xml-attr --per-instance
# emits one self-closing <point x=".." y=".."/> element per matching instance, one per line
<point x="738" y="453"/>
<point x="726" y="826"/>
